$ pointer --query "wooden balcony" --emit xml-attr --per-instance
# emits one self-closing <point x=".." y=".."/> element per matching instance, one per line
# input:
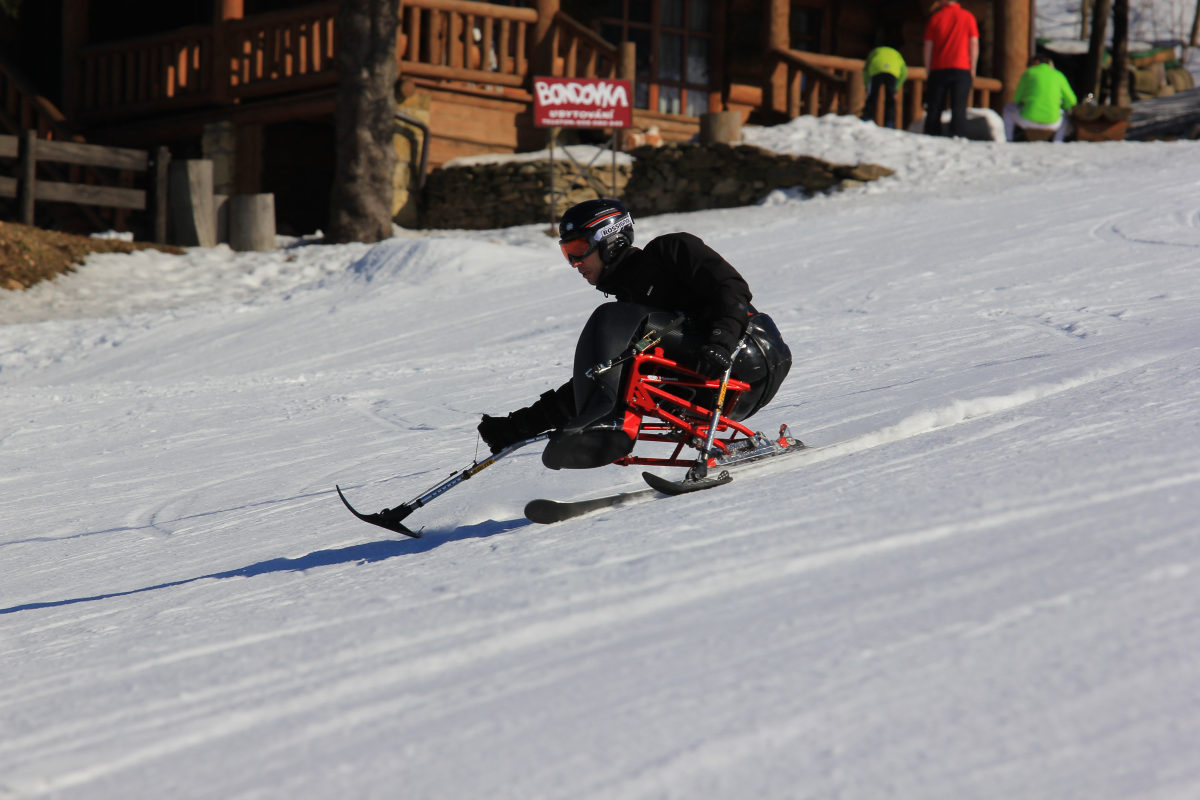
<point x="474" y="60"/>
<point x="208" y="65"/>
<point x="446" y="41"/>
<point x="451" y="45"/>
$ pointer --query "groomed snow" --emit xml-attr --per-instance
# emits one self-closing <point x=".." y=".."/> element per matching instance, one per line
<point x="981" y="583"/>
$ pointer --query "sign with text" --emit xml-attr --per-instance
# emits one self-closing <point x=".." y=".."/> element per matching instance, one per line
<point x="582" y="103"/>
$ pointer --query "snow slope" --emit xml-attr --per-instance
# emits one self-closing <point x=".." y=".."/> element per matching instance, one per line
<point x="981" y="583"/>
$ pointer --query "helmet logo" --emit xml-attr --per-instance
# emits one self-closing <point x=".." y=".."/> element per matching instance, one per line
<point x="613" y="227"/>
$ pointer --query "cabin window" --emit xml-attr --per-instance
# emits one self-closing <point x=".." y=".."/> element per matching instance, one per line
<point x="673" y="39"/>
<point x="804" y="25"/>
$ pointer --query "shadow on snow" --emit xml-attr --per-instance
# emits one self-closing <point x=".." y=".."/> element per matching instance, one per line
<point x="367" y="553"/>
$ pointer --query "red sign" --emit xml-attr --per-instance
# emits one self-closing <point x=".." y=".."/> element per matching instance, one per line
<point x="582" y="103"/>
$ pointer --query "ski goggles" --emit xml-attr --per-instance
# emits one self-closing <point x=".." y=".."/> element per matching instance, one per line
<point x="577" y="250"/>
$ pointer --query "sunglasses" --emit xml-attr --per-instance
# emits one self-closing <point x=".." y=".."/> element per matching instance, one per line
<point x="577" y="250"/>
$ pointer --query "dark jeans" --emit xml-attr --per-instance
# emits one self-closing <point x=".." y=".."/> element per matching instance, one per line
<point x="957" y="84"/>
<point x="887" y="84"/>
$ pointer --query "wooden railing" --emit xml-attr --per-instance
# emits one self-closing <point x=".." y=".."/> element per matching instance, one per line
<point x="580" y="52"/>
<point x="814" y="84"/>
<point x="23" y="109"/>
<point x="281" y="51"/>
<point x="458" y="40"/>
<point x="912" y="105"/>
<point x="450" y="40"/>
<point x="205" y="64"/>
<point x="818" y="84"/>
<point x="168" y="70"/>
<point x="454" y="42"/>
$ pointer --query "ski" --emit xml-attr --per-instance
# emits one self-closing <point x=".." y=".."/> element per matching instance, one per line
<point x="545" y="512"/>
<point x="760" y="448"/>
<point x="757" y="449"/>
<point x="670" y="487"/>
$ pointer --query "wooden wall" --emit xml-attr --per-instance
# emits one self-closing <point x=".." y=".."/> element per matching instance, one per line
<point x="470" y="124"/>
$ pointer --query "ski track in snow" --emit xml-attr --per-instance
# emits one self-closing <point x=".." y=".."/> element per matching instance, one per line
<point x="978" y="582"/>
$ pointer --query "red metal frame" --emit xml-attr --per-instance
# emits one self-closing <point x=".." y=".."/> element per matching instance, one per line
<point x="651" y="393"/>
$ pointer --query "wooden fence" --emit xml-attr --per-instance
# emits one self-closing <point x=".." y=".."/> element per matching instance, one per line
<point x="28" y="189"/>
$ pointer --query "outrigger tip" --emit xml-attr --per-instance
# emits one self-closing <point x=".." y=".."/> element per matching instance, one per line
<point x="388" y="519"/>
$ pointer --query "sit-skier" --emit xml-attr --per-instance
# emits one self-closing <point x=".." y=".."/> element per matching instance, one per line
<point x="674" y="274"/>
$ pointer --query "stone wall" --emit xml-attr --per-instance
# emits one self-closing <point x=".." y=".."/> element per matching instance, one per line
<point x="685" y="177"/>
<point x="692" y="177"/>
<point x="508" y="193"/>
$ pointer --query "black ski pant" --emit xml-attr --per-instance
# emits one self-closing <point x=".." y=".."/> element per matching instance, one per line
<point x="952" y="83"/>
<point x="887" y="84"/>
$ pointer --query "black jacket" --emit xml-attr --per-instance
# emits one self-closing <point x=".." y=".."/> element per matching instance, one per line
<point x="673" y="272"/>
<point x="679" y="272"/>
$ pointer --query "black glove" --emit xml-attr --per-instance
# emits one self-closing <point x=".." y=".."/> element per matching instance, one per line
<point x="498" y="432"/>
<point x="548" y="412"/>
<point x="717" y="355"/>
<point x="714" y="360"/>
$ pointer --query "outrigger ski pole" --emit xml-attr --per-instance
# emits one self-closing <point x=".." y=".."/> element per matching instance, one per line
<point x="700" y="468"/>
<point x="392" y="518"/>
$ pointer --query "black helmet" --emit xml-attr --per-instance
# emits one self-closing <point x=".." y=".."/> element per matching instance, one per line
<point x="606" y="225"/>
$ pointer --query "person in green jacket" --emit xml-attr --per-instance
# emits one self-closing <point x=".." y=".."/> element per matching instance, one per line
<point x="885" y="71"/>
<point x="1041" y="101"/>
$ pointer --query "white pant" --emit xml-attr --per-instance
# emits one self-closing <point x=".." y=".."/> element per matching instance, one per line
<point x="1013" y="118"/>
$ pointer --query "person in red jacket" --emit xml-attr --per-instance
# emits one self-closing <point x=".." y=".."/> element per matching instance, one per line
<point x="951" y="56"/>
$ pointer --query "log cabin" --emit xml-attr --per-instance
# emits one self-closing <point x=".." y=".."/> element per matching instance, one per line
<point x="252" y="83"/>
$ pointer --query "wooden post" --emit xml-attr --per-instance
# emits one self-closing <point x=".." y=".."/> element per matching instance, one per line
<point x="252" y="222"/>
<point x="716" y="81"/>
<point x="627" y="62"/>
<point x="248" y="158"/>
<point x="542" y="57"/>
<point x="626" y="70"/>
<point x="723" y="127"/>
<point x="915" y="89"/>
<point x="221" y="217"/>
<point x="26" y="175"/>
<point x="1012" y="55"/>
<point x="1195" y="26"/>
<point x="856" y="93"/>
<point x="74" y="37"/>
<point x="191" y="190"/>
<point x="1120" y="61"/>
<point x="221" y="65"/>
<point x="775" y="92"/>
<point x="1095" y="56"/>
<point x="156" y="200"/>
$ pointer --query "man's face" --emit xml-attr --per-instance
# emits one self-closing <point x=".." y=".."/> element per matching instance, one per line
<point x="584" y="255"/>
<point x="589" y="267"/>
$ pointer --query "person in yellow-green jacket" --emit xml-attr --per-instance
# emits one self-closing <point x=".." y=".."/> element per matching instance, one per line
<point x="1041" y="101"/>
<point x="885" y="71"/>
